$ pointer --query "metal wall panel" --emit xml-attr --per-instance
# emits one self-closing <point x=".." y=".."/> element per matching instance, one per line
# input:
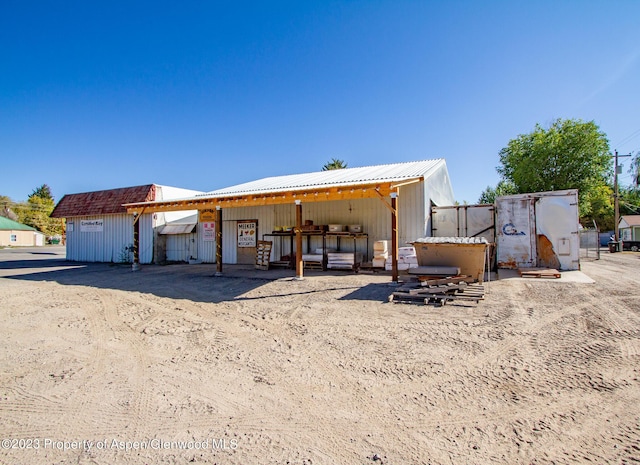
<point x="538" y="229"/>
<point x="206" y="249"/>
<point x="371" y="214"/>
<point x="557" y="221"/>
<point x="516" y="233"/>
<point x="464" y="221"/>
<point x="413" y="213"/>
<point x="108" y="245"/>
<point x="180" y="247"/>
<point x="146" y="237"/>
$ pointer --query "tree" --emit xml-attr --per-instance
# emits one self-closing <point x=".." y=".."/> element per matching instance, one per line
<point x="334" y="164"/>
<point x="570" y="154"/>
<point x="629" y="200"/>
<point x="490" y="193"/>
<point x="35" y="212"/>
<point x="43" y="192"/>
<point x="634" y="169"/>
<point x="6" y="205"/>
<point x="598" y="206"/>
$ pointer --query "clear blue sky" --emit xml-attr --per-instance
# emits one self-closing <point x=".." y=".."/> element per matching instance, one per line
<point x="206" y="94"/>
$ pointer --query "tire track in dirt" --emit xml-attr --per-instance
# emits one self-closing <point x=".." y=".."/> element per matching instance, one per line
<point x="616" y="322"/>
<point x="16" y="401"/>
<point x="139" y="414"/>
<point x="313" y="391"/>
<point x="66" y="408"/>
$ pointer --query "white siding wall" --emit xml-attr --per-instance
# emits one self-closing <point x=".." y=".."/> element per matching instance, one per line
<point x="180" y="247"/>
<point x="414" y="206"/>
<point x="107" y="246"/>
<point x="372" y="214"/>
<point x="206" y="249"/>
<point x="413" y="217"/>
<point x="147" y="234"/>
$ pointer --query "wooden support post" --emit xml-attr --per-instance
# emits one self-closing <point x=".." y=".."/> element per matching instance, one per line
<point x="136" y="243"/>
<point x="299" y="263"/>
<point x="394" y="237"/>
<point x="218" y="241"/>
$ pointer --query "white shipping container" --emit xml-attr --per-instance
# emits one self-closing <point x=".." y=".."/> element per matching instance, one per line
<point x="538" y="230"/>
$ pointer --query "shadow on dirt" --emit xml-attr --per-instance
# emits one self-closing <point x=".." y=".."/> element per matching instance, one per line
<point x="180" y="281"/>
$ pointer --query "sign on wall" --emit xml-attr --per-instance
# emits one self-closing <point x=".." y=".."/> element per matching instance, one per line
<point x="91" y="225"/>
<point x="209" y="231"/>
<point x="247" y="233"/>
<point x="207" y="216"/>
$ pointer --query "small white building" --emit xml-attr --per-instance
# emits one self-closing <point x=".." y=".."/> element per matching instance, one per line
<point x="371" y="197"/>
<point x="14" y="234"/>
<point x="629" y="227"/>
<point x="99" y="229"/>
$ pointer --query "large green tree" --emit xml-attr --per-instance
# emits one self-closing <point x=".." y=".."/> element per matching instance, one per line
<point x="36" y="210"/>
<point x="490" y="193"/>
<point x="569" y="154"/>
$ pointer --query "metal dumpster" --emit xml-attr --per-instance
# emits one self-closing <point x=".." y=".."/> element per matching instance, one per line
<point x="467" y="253"/>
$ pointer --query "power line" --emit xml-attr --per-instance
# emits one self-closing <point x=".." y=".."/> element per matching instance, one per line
<point x="627" y="139"/>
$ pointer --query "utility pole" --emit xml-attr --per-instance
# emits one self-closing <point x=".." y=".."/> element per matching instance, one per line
<point x="616" y="205"/>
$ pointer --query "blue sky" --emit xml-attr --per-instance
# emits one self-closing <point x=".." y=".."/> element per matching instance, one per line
<point x="207" y="94"/>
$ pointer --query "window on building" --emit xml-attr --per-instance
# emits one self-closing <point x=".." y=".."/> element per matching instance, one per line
<point x="14" y="238"/>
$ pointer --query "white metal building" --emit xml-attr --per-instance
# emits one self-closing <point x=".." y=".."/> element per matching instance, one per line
<point x="352" y="196"/>
<point x="99" y="229"/>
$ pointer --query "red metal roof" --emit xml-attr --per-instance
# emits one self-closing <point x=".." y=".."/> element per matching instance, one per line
<point x="102" y="202"/>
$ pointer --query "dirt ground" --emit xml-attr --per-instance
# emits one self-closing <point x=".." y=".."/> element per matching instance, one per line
<point x="171" y="365"/>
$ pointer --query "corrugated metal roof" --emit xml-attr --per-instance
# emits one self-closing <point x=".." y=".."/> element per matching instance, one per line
<point x="102" y="202"/>
<point x="395" y="172"/>
<point x="9" y="225"/>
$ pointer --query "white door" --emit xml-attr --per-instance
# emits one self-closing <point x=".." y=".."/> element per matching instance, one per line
<point x="516" y="232"/>
<point x="557" y="229"/>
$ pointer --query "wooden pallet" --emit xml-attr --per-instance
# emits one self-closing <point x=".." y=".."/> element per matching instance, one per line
<point x="438" y="291"/>
<point x="539" y="273"/>
<point x="428" y="281"/>
<point x="312" y="265"/>
<point x="263" y="252"/>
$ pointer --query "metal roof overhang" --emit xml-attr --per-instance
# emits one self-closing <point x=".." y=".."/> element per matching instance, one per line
<point x="172" y="229"/>
<point x="275" y="197"/>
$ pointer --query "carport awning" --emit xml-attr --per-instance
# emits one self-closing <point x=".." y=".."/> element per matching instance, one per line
<point x="176" y="229"/>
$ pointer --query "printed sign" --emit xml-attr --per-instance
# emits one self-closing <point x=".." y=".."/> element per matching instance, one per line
<point x="247" y="233"/>
<point x="91" y="225"/>
<point x="207" y="216"/>
<point x="209" y="231"/>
